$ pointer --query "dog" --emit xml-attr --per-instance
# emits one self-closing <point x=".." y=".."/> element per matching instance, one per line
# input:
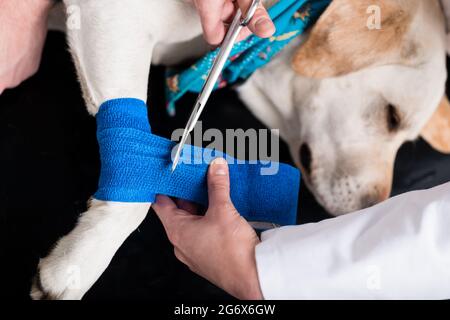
<point x="344" y="96"/>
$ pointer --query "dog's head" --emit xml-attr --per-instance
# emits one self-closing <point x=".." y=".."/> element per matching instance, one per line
<point x="378" y="87"/>
<point x="358" y="94"/>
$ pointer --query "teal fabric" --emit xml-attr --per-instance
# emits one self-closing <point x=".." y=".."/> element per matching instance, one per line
<point x="291" y="18"/>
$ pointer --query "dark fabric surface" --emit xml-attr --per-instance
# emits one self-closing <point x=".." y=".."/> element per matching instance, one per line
<point x="49" y="167"/>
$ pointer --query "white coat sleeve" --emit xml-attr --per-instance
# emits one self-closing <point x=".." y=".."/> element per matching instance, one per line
<point x="399" y="249"/>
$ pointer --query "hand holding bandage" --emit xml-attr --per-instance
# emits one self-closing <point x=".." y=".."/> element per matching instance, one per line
<point x="219" y="246"/>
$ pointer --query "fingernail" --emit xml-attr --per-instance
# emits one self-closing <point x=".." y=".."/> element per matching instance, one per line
<point x="264" y="25"/>
<point x="219" y="167"/>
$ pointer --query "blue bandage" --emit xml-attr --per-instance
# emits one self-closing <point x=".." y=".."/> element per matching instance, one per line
<point x="136" y="166"/>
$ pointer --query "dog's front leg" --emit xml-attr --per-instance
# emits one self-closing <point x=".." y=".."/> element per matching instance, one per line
<point x="111" y="46"/>
<point x="79" y="258"/>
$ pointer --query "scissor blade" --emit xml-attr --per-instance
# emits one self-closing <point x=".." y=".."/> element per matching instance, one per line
<point x="186" y="133"/>
<point x="208" y="87"/>
<point x="218" y="65"/>
<point x="178" y="153"/>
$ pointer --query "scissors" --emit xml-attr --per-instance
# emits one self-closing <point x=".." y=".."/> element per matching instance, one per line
<point x="236" y="26"/>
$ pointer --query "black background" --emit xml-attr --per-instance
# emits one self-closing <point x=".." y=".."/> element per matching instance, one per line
<point x="49" y="167"/>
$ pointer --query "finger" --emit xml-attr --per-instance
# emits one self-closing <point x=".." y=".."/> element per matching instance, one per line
<point x="211" y="18"/>
<point x="228" y="12"/>
<point x="164" y="203"/>
<point x="227" y="17"/>
<point x="244" y="34"/>
<point x="166" y="210"/>
<point x="218" y="183"/>
<point x="261" y="24"/>
<point x="187" y="206"/>
<point x="173" y="219"/>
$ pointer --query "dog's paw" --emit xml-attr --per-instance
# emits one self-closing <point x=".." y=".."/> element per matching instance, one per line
<point x="51" y="284"/>
<point x="79" y="258"/>
<point x="38" y="292"/>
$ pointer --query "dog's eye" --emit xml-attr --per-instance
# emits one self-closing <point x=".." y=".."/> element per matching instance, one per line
<point x="393" y="118"/>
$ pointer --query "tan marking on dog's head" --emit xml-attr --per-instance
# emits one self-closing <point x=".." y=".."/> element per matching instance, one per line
<point x="437" y="130"/>
<point x="341" y="41"/>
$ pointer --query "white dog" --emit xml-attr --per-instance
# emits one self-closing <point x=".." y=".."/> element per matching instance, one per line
<point x="345" y="100"/>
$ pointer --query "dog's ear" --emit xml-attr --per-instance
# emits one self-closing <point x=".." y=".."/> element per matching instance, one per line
<point x="353" y="34"/>
<point x="437" y="130"/>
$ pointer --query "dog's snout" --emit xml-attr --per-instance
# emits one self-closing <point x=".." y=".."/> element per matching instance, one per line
<point x="369" y="200"/>
<point x="306" y="158"/>
<point x="374" y="197"/>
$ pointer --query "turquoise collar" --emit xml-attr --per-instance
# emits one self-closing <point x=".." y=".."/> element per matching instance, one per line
<point x="291" y="18"/>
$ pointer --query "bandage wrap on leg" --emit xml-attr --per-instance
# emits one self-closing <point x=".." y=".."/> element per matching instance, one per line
<point x="136" y="166"/>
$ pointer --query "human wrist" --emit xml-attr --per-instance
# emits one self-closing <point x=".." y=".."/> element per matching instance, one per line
<point x="247" y="281"/>
<point x="253" y="291"/>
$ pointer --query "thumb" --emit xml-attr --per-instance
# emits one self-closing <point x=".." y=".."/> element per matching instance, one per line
<point x="261" y="24"/>
<point x="219" y="183"/>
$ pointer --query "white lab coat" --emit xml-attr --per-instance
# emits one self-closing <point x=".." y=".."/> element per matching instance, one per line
<point x="399" y="249"/>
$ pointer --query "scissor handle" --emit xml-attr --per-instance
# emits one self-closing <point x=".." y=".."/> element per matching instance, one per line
<point x="238" y="23"/>
<point x="250" y="13"/>
<point x="216" y="70"/>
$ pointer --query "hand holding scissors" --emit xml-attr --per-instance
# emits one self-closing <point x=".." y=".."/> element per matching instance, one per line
<point x="240" y="21"/>
<point x="214" y="15"/>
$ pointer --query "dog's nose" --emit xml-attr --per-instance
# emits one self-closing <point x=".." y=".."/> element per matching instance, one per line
<point x="306" y="158"/>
